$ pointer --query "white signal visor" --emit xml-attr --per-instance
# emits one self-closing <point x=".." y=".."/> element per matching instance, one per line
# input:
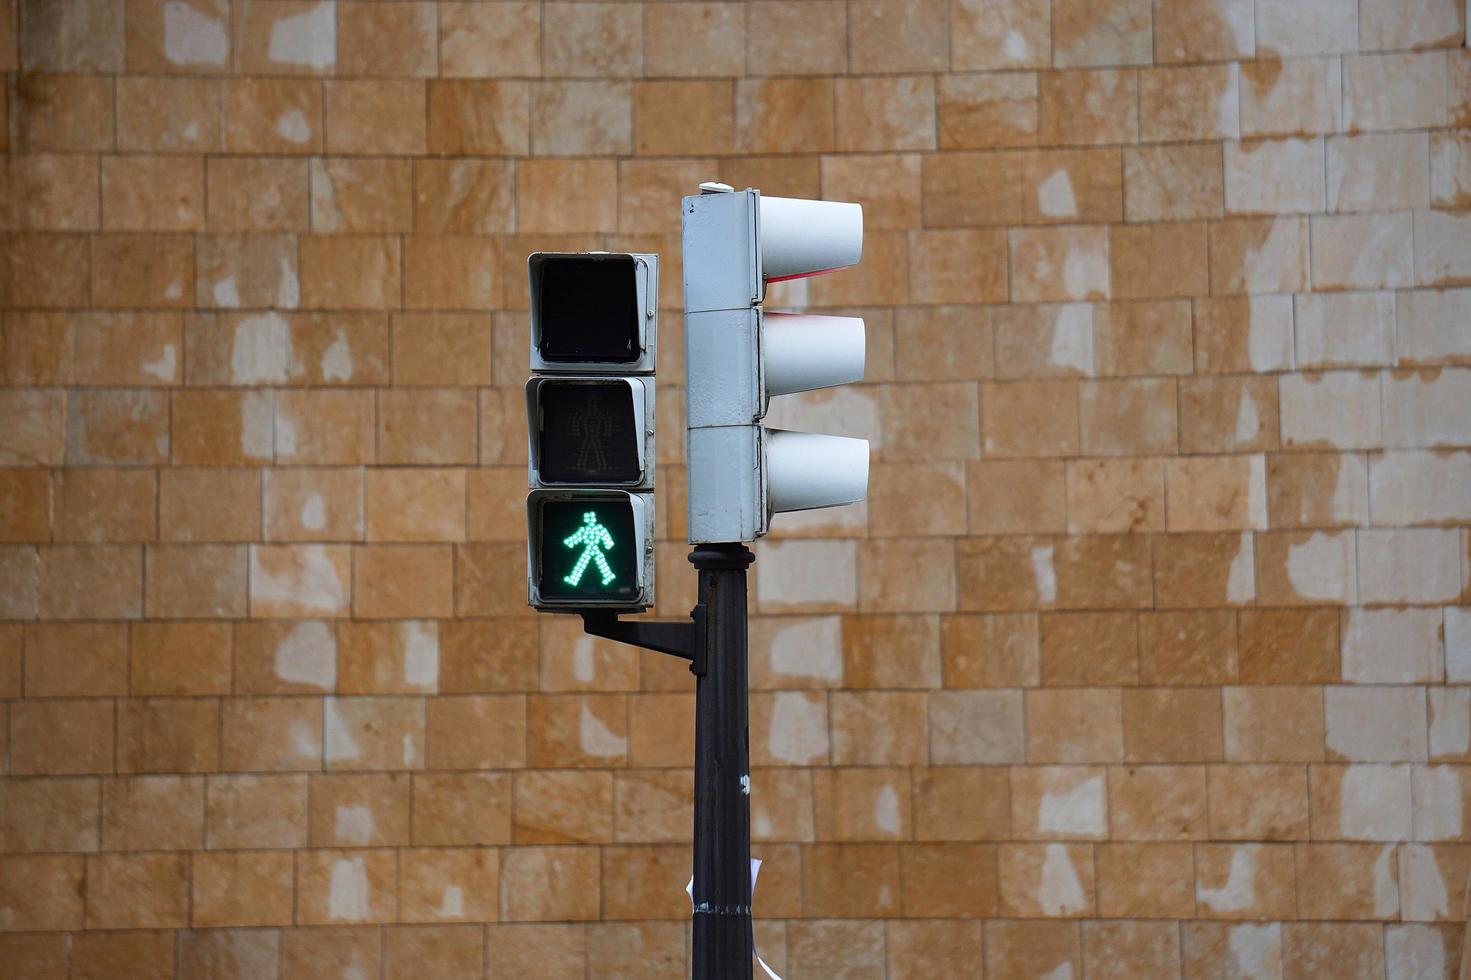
<point x="805" y="470"/>
<point x="802" y="351"/>
<point x="802" y="238"/>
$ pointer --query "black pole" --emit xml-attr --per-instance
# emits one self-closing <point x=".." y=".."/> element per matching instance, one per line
<point x="722" y="896"/>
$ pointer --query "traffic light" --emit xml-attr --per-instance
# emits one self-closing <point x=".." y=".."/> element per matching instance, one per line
<point x="737" y="356"/>
<point x="590" y="426"/>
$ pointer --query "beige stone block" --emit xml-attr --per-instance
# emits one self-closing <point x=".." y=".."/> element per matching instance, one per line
<point x="349" y="272"/>
<point x="793" y="37"/>
<point x="893" y="36"/>
<point x="257" y="194"/>
<point x="1418" y="24"/>
<point x="1189" y="103"/>
<point x="1317" y="490"/>
<point x="1216" y="493"/>
<point x="1229" y="414"/>
<point x="1419" y="487"/>
<point x="1059" y="264"/>
<point x="943" y="265"/>
<point x="292" y="581"/>
<point x="1163" y="260"/>
<point x="1292" y="27"/>
<point x="324" y="427"/>
<point x="1203" y="30"/>
<point x="851" y="881"/>
<point x="1426" y="409"/>
<point x="1244" y="881"/>
<point x="1367" y="803"/>
<point x="1275" y="176"/>
<point x="479" y="117"/>
<point x="984" y="111"/>
<point x="1157" y="803"/>
<point x="964" y="189"/>
<point x="1259" y="255"/>
<point x="593" y="40"/>
<point x="1440" y="248"/>
<point x="1074" y="726"/>
<point x="369" y="876"/>
<point x="1171" y="182"/>
<point x="1014" y="34"/>
<point x="1297" y="97"/>
<point x="1408" y="565"/>
<point x="1346" y="329"/>
<point x="1089" y="649"/>
<point x="168" y="115"/>
<point x="885" y="113"/>
<point x="551" y="884"/>
<point x="1333" y="410"/>
<point x="238" y="889"/>
<point x="695" y="39"/>
<point x="1378" y="171"/>
<point x="148" y="271"/>
<point x="565" y="196"/>
<point x="1365" y="251"/>
<point x="1394" y="91"/>
<point x="1113" y="496"/>
<point x="449" y="885"/>
<point x="1450" y="170"/>
<point x="246" y="271"/>
<point x="45" y="270"/>
<point x="1060" y="186"/>
<point x="1375" y="724"/>
<point x="307" y="32"/>
<point x="588" y="118"/>
<point x="392" y="39"/>
<point x="1046" y="340"/>
<point x="861" y="804"/>
<point x="66" y="113"/>
<point x="1128" y="417"/>
<point x="1273" y="724"/>
<point x="476" y="41"/>
<point x="1258" y="802"/>
<point x="1086" y="34"/>
<point x="786" y="115"/>
<point x="1088" y="107"/>
<point x="100" y="505"/>
<point x="277" y="116"/>
<point x="1027" y="949"/>
<point x="1047" y="880"/>
<point x="51" y="193"/>
<point x="137" y="891"/>
<point x="377" y="116"/>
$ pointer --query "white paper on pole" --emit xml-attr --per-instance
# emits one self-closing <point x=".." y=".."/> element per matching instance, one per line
<point x="755" y="872"/>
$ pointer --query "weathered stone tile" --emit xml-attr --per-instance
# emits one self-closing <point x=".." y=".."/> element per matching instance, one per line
<point x="1297" y="97"/>
<point x="984" y="111"/>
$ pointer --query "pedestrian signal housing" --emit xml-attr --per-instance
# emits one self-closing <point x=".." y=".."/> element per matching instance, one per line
<point x="590" y="430"/>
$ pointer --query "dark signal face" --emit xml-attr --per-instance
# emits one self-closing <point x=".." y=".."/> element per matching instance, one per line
<point x="589" y="309"/>
<point x="589" y="431"/>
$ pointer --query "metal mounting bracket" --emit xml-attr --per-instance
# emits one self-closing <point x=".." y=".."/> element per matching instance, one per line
<point x="678" y="639"/>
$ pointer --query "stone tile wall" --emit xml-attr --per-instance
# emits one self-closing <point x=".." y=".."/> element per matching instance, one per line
<point x="1147" y="656"/>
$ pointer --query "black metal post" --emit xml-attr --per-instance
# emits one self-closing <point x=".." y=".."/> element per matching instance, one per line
<point x="722" y="896"/>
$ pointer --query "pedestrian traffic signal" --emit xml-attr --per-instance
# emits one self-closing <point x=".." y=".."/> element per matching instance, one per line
<point x="588" y="547"/>
<point x="737" y="356"/>
<point x="590" y="429"/>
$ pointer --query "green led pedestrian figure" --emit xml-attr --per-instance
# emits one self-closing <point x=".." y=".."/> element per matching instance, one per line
<point x="594" y="539"/>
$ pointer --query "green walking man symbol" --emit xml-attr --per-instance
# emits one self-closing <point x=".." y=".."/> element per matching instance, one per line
<point x="594" y="539"/>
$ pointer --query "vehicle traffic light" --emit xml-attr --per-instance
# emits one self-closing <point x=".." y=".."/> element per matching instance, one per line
<point x="590" y="426"/>
<point x="737" y="356"/>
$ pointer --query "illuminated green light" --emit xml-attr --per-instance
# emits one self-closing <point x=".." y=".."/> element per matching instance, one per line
<point x="587" y="548"/>
<point x="594" y="539"/>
